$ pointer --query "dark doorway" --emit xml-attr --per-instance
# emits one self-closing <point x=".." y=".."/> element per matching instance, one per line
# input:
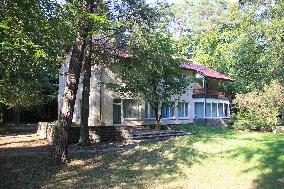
<point x="117" y="111"/>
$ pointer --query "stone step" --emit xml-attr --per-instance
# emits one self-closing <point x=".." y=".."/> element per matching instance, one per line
<point x="159" y="136"/>
<point x="146" y="133"/>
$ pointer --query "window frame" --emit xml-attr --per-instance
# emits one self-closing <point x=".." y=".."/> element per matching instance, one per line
<point x="218" y="103"/>
<point x="139" y="116"/>
<point x="185" y="113"/>
<point x="172" y="106"/>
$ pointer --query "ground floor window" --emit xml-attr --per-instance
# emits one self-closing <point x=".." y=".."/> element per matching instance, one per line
<point x="131" y="109"/>
<point x="149" y="111"/>
<point x="199" y="109"/>
<point x="183" y="109"/>
<point x="168" y="110"/>
<point x="211" y="110"/>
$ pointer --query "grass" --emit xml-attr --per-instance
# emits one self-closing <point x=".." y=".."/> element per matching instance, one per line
<point x="213" y="157"/>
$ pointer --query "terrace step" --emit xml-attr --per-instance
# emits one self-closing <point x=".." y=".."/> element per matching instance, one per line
<point x="157" y="135"/>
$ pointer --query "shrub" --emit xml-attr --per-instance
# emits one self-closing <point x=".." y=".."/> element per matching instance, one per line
<point x="259" y="110"/>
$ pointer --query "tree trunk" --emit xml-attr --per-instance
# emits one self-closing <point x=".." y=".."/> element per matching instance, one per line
<point x="68" y="101"/>
<point x="157" y="116"/>
<point x="84" y="130"/>
<point x="17" y="112"/>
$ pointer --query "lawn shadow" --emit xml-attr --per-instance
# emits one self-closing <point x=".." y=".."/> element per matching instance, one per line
<point x="270" y="157"/>
<point x="17" y="129"/>
<point x="149" y="164"/>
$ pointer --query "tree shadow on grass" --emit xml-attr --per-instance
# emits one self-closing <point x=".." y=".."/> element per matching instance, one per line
<point x="149" y="164"/>
<point x="270" y="158"/>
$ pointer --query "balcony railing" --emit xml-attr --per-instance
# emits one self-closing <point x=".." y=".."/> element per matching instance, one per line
<point x="210" y="93"/>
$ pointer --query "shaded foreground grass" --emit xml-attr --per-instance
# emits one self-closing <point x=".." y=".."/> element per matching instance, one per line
<point x="210" y="158"/>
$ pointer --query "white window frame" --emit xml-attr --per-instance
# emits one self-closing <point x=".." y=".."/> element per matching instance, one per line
<point x="210" y="101"/>
<point x="134" y="118"/>
<point x="174" y="112"/>
<point x="149" y="112"/>
<point x="184" y="112"/>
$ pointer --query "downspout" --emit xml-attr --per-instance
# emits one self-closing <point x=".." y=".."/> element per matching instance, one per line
<point x="205" y="98"/>
<point x="101" y="76"/>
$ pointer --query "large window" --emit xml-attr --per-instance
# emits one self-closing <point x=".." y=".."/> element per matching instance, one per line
<point x="221" y="110"/>
<point x="150" y="113"/>
<point x="182" y="109"/>
<point x="213" y="110"/>
<point x="131" y="109"/>
<point x="168" y="110"/>
<point x="199" y="110"/>
<point x="208" y="110"/>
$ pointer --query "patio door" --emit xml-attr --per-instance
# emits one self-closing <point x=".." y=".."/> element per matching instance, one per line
<point x="117" y="111"/>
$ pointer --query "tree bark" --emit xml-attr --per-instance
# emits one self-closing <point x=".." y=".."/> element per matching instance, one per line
<point x="17" y="112"/>
<point x="84" y="130"/>
<point x="68" y="101"/>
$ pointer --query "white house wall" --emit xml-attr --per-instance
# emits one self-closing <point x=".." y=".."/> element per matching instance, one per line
<point x="101" y="106"/>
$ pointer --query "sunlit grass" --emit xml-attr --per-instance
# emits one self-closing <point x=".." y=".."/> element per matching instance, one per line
<point x="210" y="158"/>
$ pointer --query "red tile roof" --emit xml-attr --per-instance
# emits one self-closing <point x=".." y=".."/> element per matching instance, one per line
<point x="205" y="71"/>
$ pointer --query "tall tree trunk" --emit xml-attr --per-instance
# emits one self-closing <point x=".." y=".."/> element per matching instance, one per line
<point x="17" y="113"/>
<point x="68" y="100"/>
<point x="84" y="130"/>
<point x="157" y="115"/>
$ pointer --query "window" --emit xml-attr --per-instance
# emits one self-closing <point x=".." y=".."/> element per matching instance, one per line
<point x="214" y="109"/>
<point x="168" y="110"/>
<point x="199" y="109"/>
<point x="150" y="113"/>
<point x="131" y="109"/>
<point x="220" y="110"/>
<point x="182" y="109"/>
<point x="226" y="110"/>
<point x="208" y="110"/>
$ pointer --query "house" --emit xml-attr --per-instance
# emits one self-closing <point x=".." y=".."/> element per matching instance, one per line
<point x="202" y="102"/>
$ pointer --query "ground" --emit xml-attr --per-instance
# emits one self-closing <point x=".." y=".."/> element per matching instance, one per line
<point x="210" y="158"/>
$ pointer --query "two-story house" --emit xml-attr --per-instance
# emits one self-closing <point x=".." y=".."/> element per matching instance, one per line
<point x="203" y="102"/>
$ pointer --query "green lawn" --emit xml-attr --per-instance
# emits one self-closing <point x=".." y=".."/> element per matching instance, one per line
<point x="210" y="158"/>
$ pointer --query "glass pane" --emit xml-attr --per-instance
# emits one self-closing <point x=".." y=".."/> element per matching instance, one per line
<point x="214" y="109"/>
<point x="146" y="110"/>
<point x="208" y="110"/>
<point x="199" y="109"/>
<point x="186" y="110"/>
<point x="130" y="109"/>
<point x="168" y="110"/>
<point x="220" y="110"/>
<point x="152" y="112"/>
<point x="180" y="109"/>
<point x="226" y="110"/>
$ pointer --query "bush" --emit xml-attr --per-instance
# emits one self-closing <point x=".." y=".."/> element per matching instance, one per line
<point x="259" y="110"/>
